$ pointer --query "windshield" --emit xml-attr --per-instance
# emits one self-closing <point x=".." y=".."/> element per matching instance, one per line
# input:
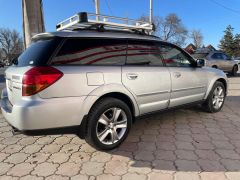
<point x="38" y="53"/>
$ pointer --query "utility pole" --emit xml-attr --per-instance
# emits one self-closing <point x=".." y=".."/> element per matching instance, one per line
<point x="33" y="22"/>
<point x="151" y="13"/>
<point x="97" y="7"/>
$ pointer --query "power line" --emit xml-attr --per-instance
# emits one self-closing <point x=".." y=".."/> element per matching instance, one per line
<point x="225" y="7"/>
<point x="109" y="8"/>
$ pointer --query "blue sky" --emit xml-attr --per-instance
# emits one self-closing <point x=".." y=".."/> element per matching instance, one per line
<point x="205" y="15"/>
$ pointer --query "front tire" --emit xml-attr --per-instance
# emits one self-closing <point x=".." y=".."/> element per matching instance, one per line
<point x="216" y="98"/>
<point x="109" y="122"/>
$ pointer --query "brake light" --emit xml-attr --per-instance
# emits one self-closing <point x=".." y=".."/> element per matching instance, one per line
<point x="38" y="79"/>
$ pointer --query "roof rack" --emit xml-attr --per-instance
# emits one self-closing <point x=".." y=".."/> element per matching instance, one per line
<point x="85" y="20"/>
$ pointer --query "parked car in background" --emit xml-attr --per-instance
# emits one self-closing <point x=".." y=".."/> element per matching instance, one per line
<point x="218" y="60"/>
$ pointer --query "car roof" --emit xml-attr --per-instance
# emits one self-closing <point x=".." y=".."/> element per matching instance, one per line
<point x="97" y="34"/>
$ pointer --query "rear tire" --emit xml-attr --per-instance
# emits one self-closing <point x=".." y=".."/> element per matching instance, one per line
<point x="234" y="70"/>
<point x="109" y="122"/>
<point x="216" y="98"/>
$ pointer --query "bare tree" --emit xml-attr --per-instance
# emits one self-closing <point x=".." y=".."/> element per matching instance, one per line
<point x="11" y="44"/>
<point x="169" y="28"/>
<point x="197" y="38"/>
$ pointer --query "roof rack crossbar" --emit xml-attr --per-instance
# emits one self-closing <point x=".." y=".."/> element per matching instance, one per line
<point x="85" y="20"/>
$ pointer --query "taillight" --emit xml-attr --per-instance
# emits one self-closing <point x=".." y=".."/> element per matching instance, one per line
<point x="38" y="79"/>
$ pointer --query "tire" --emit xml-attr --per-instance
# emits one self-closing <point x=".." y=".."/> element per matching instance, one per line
<point x="214" y="66"/>
<point x="97" y="127"/>
<point x="234" y="70"/>
<point x="209" y="104"/>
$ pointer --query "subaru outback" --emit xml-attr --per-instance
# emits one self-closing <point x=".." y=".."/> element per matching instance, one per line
<point x="103" y="81"/>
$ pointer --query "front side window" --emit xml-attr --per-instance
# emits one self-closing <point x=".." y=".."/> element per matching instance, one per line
<point x="173" y="57"/>
<point x="143" y="53"/>
<point x="91" y="52"/>
<point x="226" y="57"/>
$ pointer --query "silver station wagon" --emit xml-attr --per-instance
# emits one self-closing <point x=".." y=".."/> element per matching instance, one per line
<point x="219" y="60"/>
<point x="102" y="80"/>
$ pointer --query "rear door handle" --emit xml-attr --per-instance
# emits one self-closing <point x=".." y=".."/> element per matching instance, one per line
<point x="177" y="74"/>
<point x="132" y="76"/>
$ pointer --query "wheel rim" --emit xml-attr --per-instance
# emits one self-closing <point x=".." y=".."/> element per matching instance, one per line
<point x="111" y="126"/>
<point x="218" y="97"/>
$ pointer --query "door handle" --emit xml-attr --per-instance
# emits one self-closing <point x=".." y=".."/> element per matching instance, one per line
<point x="132" y="76"/>
<point x="177" y="74"/>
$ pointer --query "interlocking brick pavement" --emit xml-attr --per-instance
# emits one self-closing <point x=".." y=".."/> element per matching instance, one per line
<point x="184" y="144"/>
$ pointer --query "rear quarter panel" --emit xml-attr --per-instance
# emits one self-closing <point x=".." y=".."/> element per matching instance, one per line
<point x="90" y="81"/>
<point x="81" y="80"/>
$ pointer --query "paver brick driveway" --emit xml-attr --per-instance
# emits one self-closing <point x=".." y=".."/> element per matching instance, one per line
<point x="182" y="144"/>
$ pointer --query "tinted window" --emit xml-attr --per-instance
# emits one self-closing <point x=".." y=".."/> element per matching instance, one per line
<point x="143" y="53"/>
<point x="217" y="56"/>
<point x="38" y="53"/>
<point x="91" y="52"/>
<point x="173" y="57"/>
<point x="226" y="57"/>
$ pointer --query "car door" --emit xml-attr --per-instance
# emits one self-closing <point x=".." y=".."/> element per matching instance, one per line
<point x="228" y="62"/>
<point x="145" y="76"/>
<point x="217" y="59"/>
<point x="189" y="82"/>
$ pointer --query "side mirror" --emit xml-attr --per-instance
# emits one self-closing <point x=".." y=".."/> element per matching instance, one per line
<point x="200" y="62"/>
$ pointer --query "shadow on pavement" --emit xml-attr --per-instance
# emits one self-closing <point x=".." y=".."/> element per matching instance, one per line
<point x="187" y="140"/>
<point x="182" y="140"/>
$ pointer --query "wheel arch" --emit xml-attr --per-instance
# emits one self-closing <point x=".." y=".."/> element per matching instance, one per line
<point x="91" y="100"/>
<point x="236" y="66"/>
<point x="122" y="97"/>
<point x="111" y="90"/>
<point x="222" y="80"/>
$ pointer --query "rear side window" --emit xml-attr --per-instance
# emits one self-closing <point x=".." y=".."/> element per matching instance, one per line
<point x="91" y="52"/>
<point x="143" y="53"/>
<point x="38" y="53"/>
<point x="217" y="56"/>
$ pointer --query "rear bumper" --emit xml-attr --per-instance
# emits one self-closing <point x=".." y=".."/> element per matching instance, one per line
<point x="35" y="114"/>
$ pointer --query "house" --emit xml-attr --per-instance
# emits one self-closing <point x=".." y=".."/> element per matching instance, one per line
<point x="190" y="48"/>
<point x="211" y="48"/>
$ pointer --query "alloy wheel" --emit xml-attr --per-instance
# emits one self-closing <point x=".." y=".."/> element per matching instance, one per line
<point x="218" y="97"/>
<point x="111" y="126"/>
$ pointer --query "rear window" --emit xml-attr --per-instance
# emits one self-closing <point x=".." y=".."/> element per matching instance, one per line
<point x="91" y="52"/>
<point x="38" y="53"/>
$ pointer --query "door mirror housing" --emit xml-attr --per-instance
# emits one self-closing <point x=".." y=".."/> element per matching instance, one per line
<point x="200" y="62"/>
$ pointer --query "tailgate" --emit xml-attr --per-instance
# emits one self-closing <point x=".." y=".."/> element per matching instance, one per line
<point x="14" y="77"/>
